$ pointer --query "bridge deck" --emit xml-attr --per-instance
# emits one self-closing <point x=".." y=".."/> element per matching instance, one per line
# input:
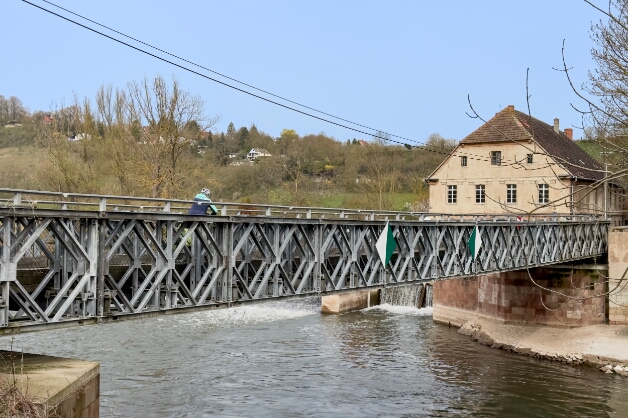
<point x="63" y="266"/>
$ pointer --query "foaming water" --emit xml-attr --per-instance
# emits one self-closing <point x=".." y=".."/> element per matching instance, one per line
<point x="286" y="359"/>
<point x="248" y="314"/>
<point x="413" y="295"/>
<point x="400" y="310"/>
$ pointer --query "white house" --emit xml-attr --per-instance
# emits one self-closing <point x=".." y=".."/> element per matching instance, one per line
<point x="255" y="153"/>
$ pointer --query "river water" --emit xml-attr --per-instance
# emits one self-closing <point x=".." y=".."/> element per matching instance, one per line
<point x="285" y="359"/>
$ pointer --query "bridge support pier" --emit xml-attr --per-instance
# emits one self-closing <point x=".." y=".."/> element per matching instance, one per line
<point x="563" y="297"/>
<point x="349" y="301"/>
<point x="618" y="272"/>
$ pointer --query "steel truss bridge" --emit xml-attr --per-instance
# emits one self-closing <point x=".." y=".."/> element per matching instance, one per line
<point x="71" y="264"/>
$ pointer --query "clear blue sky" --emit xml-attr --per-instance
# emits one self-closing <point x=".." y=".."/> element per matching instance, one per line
<point x="404" y="67"/>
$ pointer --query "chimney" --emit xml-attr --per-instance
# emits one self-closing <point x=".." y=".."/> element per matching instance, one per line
<point x="556" y="126"/>
<point x="569" y="133"/>
<point x="510" y="107"/>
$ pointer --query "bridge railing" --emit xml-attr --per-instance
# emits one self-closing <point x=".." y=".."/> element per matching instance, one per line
<point x="65" y="265"/>
<point x="39" y="200"/>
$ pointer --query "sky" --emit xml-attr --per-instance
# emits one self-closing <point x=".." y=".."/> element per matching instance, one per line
<point x="402" y="67"/>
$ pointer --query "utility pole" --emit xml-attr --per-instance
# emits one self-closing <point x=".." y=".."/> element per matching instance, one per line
<point x="605" y="154"/>
<point x="605" y="190"/>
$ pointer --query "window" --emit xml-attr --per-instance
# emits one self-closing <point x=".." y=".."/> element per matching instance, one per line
<point x="452" y="194"/>
<point x="511" y="193"/>
<point x="529" y="158"/>
<point x="463" y="161"/>
<point x="480" y="193"/>
<point x="496" y="158"/>
<point x="543" y="193"/>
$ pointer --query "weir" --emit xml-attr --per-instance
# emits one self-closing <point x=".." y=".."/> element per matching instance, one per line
<point x="413" y="295"/>
<point x="71" y="265"/>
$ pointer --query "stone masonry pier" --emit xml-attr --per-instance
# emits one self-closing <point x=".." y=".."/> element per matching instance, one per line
<point x="513" y="298"/>
<point x="618" y="263"/>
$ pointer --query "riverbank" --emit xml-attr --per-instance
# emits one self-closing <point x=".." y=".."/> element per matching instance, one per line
<point x="596" y="345"/>
<point x="48" y="386"/>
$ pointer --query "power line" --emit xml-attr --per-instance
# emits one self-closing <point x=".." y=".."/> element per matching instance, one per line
<point x="197" y="73"/>
<point x="225" y="76"/>
<point x="424" y="147"/>
<point x="420" y="146"/>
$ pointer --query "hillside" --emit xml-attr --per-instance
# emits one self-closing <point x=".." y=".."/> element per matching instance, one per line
<point x="141" y="152"/>
<point x="593" y="148"/>
<point x="17" y="136"/>
<point x="20" y="167"/>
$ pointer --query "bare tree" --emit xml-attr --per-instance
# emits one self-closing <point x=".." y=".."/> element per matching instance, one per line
<point x="381" y="138"/>
<point x="381" y="176"/>
<point x="4" y="108"/>
<point x="605" y="95"/>
<point x="15" y="109"/>
<point x="167" y="112"/>
<point x="438" y="141"/>
<point x="117" y="138"/>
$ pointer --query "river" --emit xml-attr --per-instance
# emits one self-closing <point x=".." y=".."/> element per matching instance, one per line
<point x="285" y="359"/>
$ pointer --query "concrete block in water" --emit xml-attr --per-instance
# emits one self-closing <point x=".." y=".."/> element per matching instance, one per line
<point x="349" y="301"/>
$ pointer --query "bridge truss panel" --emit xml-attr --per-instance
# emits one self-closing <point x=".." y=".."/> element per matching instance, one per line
<point x="63" y="266"/>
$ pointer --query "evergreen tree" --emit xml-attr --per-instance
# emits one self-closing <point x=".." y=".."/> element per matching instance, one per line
<point x="221" y="144"/>
<point x="231" y="131"/>
<point x="243" y="139"/>
<point x="255" y="138"/>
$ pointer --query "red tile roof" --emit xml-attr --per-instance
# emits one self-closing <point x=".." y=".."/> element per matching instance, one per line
<point x="510" y="125"/>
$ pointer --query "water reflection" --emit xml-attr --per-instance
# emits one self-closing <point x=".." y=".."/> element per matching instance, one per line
<point x="505" y="384"/>
<point x="285" y="359"/>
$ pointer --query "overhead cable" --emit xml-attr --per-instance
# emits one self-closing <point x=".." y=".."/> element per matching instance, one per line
<point x="429" y="148"/>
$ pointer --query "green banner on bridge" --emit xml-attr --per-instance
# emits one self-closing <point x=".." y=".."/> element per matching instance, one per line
<point x="475" y="242"/>
<point x="386" y="244"/>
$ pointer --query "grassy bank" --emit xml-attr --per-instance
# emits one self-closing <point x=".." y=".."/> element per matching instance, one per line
<point x="349" y="200"/>
<point x="20" y="167"/>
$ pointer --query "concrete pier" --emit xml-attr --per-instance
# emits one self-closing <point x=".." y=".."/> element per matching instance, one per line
<point x="349" y="301"/>
<point x="66" y="388"/>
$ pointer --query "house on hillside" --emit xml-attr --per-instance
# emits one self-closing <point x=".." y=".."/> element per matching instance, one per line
<point x="518" y="164"/>
<point x="256" y="153"/>
<point x="239" y="162"/>
<point x="79" y="137"/>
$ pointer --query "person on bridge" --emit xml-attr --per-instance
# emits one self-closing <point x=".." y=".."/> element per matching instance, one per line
<point x="202" y="202"/>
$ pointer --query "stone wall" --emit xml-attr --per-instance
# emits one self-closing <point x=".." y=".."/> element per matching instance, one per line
<point x="455" y="301"/>
<point x="512" y="297"/>
<point x="617" y="264"/>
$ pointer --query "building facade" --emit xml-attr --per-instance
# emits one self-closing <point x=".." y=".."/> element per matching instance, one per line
<point x="256" y="153"/>
<point x="520" y="165"/>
